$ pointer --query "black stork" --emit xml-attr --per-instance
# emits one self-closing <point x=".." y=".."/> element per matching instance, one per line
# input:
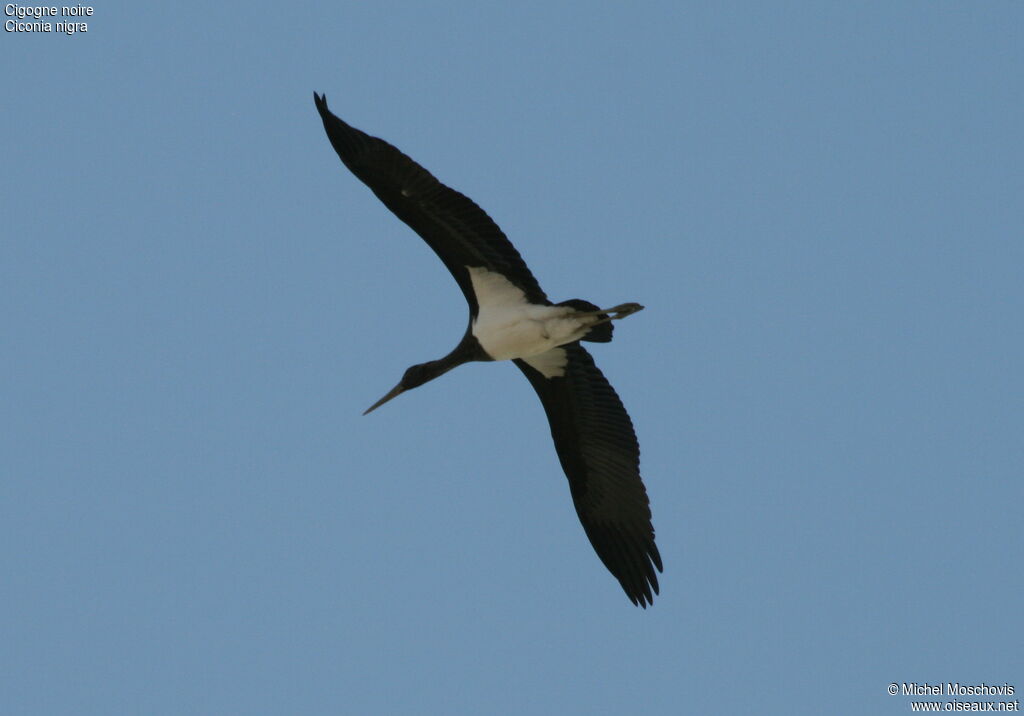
<point x="511" y="318"/>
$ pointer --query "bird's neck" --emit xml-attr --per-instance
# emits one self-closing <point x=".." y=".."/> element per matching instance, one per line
<point x="467" y="351"/>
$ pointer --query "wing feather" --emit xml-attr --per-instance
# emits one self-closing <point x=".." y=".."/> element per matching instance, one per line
<point x="459" y="231"/>
<point x="597" y="447"/>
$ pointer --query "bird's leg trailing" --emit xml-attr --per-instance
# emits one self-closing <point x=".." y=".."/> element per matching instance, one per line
<point x="599" y="320"/>
<point x="614" y="313"/>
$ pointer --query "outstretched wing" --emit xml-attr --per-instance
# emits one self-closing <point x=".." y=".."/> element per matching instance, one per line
<point x="598" y="450"/>
<point x="458" y="230"/>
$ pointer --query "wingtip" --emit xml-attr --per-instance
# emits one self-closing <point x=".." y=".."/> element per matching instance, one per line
<point x="642" y="600"/>
<point x="642" y="588"/>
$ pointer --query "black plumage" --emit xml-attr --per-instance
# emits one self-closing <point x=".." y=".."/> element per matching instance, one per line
<point x="597" y="447"/>
<point x="459" y="231"/>
<point x="592" y="431"/>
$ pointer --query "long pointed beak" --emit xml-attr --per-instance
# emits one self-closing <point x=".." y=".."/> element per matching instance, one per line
<point x="397" y="390"/>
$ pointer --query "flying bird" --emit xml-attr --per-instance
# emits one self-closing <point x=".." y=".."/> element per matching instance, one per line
<point x="511" y="318"/>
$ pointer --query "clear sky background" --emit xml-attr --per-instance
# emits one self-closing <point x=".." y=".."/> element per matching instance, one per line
<point x="820" y="205"/>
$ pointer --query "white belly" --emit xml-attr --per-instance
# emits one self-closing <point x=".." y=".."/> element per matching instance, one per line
<point x="530" y="331"/>
<point x="508" y="326"/>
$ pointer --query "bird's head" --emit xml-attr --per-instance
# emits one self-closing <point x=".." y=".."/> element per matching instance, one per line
<point x="414" y="377"/>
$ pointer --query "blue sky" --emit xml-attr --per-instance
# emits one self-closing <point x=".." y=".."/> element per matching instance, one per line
<point x="818" y="203"/>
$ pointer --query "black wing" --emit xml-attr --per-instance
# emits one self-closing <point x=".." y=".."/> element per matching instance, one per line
<point x="598" y="450"/>
<point x="458" y="230"/>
